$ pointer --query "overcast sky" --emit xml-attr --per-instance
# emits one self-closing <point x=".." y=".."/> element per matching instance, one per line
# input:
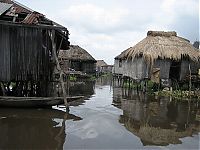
<point x="107" y="27"/>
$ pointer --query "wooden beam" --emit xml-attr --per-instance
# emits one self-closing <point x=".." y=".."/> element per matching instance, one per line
<point x="42" y="26"/>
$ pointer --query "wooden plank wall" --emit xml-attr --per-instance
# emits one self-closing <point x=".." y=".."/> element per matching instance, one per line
<point x="24" y="53"/>
<point x="4" y="54"/>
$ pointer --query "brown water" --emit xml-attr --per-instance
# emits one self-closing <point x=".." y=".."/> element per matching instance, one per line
<point x="108" y="118"/>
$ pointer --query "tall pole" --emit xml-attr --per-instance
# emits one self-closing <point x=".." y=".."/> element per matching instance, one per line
<point x="190" y="81"/>
<point x="58" y="67"/>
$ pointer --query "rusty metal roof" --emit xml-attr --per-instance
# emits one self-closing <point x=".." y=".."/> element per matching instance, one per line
<point x="32" y="18"/>
<point x="28" y="16"/>
<point x="4" y="7"/>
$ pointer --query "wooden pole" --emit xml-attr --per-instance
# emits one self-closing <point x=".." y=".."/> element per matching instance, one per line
<point x="2" y="88"/>
<point x="190" y="82"/>
<point x="58" y="67"/>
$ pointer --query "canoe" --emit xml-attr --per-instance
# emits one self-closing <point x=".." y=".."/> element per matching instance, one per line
<point x="39" y="113"/>
<point x="32" y="102"/>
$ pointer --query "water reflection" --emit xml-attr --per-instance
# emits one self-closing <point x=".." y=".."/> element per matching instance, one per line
<point x="155" y="121"/>
<point x="107" y="80"/>
<point x="135" y="120"/>
<point x="85" y="88"/>
<point x="33" y="128"/>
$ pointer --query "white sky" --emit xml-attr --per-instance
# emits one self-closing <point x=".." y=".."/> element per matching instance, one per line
<point x="105" y="28"/>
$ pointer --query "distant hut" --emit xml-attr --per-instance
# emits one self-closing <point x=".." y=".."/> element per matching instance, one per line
<point x="103" y="67"/>
<point x="77" y="59"/>
<point x="163" y="51"/>
<point x="107" y="68"/>
<point x="27" y="43"/>
<point x="99" y="65"/>
<point x="196" y="44"/>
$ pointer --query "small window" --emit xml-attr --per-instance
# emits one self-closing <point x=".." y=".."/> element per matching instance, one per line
<point x="120" y="63"/>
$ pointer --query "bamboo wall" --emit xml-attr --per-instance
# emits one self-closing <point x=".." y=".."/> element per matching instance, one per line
<point x="89" y="67"/>
<point x="24" y="53"/>
<point x="117" y="69"/>
<point x="138" y="70"/>
<point x="83" y="66"/>
<point x="164" y="66"/>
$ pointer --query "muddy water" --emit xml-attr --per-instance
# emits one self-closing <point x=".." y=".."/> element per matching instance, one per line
<point x="108" y="118"/>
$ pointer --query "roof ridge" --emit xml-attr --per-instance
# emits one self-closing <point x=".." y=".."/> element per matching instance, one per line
<point x="161" y="33"/>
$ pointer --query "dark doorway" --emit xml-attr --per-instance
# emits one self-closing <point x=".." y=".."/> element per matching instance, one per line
<point x="175" y="69"/>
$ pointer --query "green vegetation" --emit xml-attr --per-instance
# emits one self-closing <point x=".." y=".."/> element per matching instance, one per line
<point x="153" y="89"/>
<point x="92" y="78"/>
<point x="180" y="95"/>
<point x="151" y="86"/>
<point x="72" y="78"/>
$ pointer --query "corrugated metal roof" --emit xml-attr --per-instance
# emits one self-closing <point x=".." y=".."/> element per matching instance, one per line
<point x="32" y="18"/>
<point x="4" y="7"/>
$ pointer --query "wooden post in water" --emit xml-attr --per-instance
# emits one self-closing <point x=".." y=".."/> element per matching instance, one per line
<point x="129" y="83"/>
<point x="58" y="67"/>
<point x="190" y="82"/>
<point x="2" y="88"/>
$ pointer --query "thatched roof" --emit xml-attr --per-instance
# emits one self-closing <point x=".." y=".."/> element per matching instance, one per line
<point x="163" y="45"/>
<point x="101" y="63"/>
<point x="76" y="53"/>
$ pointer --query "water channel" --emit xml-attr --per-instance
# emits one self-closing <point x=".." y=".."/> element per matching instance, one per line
<point x="108" y="118"/>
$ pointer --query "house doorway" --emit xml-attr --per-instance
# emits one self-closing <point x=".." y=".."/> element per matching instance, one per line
<point x="175" y="69"/>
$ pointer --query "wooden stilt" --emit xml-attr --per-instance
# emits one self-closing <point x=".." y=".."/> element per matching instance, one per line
<point x="190" y="81"/>
<point x="2" y="89"/>
<point x="58" y="67"/>
<point x="137" y="86"/>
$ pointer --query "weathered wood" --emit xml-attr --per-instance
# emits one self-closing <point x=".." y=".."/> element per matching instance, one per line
<point x="59" y="68"/>
<point x="2" y="88"/>
<point x="41" y="26"/>
<point x="190" y="80"/>
<point x="26" y="102"/>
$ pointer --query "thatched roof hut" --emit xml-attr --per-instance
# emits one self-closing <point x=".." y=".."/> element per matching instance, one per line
<point x="164" y="50"/>
<point x="76" y="53"/>
<point x="101" y="63"/>
<point x="162" y="45"/>
<point x="78" y="59"/>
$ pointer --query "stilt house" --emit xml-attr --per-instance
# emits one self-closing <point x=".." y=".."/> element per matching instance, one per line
<point x="171" y="55"/>
<point x="27" y="41"/>
<point x="77" y="59"/>
<point x="103" y="67"/>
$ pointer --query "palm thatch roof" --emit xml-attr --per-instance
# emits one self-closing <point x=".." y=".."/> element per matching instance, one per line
<point x="162" y="45"/>
<point x="76" y="53"/>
